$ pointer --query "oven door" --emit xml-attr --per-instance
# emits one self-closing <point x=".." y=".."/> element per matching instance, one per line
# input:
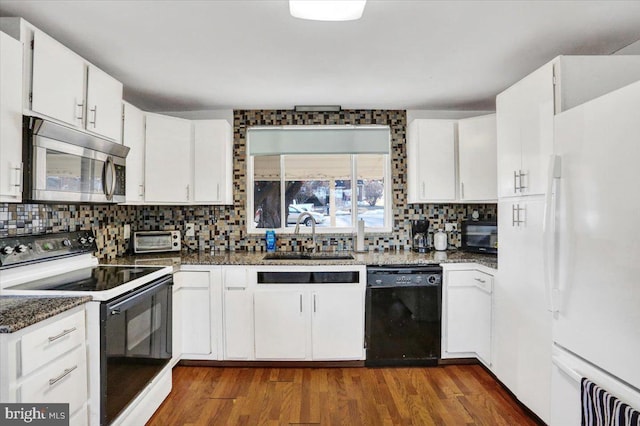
<point x="135" y="344"/>
<point x="66" y="172"/>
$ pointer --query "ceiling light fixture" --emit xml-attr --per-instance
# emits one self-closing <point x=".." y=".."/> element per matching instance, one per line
<point x="327" y="10"/>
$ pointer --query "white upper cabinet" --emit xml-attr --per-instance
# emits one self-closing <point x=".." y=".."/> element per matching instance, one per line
<point x="60" y="85"/>
<point x="525" y="134"/>
<point x="477" y="158"/>
<point x="431" y="161"/>
<point x="525" y="113"/>
<point x="133" y="134"/>
<point x="104" y="104"/>
<point x="451" y="160"/>
<point x="212" y="162"/>
<point x="10" y="119"/>
<point x="167" y="159"/>
<point x="59" y="80"/>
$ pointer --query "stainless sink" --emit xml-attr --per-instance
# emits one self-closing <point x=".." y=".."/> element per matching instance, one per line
<point x="307" y="256"/>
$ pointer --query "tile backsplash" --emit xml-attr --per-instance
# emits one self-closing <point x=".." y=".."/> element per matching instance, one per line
<point x="224" y="227"/>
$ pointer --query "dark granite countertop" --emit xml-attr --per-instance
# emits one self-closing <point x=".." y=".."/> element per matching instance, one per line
<point x="257" y="258"/>
<point x="17" y="312"/>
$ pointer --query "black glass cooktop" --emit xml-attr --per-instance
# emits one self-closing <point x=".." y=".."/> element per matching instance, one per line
<point x="97" y="278"/>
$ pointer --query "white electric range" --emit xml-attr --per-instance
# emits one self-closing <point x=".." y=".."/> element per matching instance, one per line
<point x="128" y="321"/>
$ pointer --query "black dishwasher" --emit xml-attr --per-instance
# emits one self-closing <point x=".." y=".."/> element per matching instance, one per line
<point x="403" y="315"/>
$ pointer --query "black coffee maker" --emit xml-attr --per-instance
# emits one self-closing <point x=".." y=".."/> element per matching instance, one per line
<point x="420" y="236"/>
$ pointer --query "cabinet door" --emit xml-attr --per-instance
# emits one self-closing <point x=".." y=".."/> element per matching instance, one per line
<point x="58" y="86"/>
<point x="279" y="324"/>
<point x="238" y="331"/>
<point x="468" y="318"/>
<point x="196" y="312"/>
<point x="477" y="158"/>
<point x="522" y="323"/>
<point x="133" y="137"/>
<point x="212" y="162"/>
<point x="536" y="129"/>
<point x="525" y="133"/>
<point x="167" y="171"/>
<point x="434" y="164"/>
<point x="10" y="119"/>
<point x="104" y="104"/>
<point x="337" y="322"/>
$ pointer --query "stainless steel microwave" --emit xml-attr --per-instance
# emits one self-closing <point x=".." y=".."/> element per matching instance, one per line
<point x="480" y="236"/>
<point x="68" y="165"/>
<point x="156" y="241"/>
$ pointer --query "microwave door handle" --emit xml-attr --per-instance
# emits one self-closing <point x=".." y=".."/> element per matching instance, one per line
<point x="109" y="170"/>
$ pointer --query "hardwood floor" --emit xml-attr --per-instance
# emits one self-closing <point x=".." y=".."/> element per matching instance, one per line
<point x="445" y="395"/>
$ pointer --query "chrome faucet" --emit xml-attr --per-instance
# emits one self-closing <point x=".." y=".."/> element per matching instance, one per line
<point x="313" y="228"/>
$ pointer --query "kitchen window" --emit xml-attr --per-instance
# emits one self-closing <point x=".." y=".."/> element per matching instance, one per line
<point x="333" y="175"/>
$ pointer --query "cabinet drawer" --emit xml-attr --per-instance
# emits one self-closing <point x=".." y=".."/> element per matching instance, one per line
<point x="62" y="381"/>
<point x="46" y="343"/>
<point x="470" y="278"/>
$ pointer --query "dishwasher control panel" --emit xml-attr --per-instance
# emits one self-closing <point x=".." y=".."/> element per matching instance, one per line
<point x="404" y="276"/>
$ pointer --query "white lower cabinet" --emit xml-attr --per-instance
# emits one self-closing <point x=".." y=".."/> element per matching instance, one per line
<point x="280" y="324"/>
<point x="337" y="326"/>
<point x="237" y="314"/>
<point x="197" y="305"/>
<point x="467" y="314"/>
<point x="47" y="363"/>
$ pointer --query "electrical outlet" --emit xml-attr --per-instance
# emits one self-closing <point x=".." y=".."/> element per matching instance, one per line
<point x="450" y="227"/>
<point x="190" y="230"/>
<point x="127" y="231"/>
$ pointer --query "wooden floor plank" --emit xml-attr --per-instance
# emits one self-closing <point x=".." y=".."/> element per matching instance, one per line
<point x="446" y="395"/>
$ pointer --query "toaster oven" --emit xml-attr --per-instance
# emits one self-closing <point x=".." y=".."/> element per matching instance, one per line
<point x="156" y="241"/>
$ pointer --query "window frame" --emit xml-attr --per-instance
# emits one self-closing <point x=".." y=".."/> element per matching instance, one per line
<point x="289" y="230"/>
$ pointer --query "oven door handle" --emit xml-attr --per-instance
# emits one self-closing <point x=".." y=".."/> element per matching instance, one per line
<point x="120" y="304"/>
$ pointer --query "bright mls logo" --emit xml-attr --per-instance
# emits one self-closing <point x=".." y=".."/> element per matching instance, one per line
<point x="34" y="414"/>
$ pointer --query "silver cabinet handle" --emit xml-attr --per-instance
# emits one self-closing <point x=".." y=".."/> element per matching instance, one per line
<point x="94" y="110"/>
<point x="217" y="192"/>
<point x="314" y="303"/>
<point x="141" y="190"/>
<point x="235" y="288"/>
<point x="300" y="302"/>
<point x="19" y="178"/>
<point x="423" y="190"/>
<point x="81" y="106"/>
<point x="515" y="182"/>
<point x="64" y="374"/>
<point x="187" y="192"/>
<point x="515" y="215"/>
<point x="64" y="333"/>
<point x="480" y="280"/>
<point x="520" y="176"/>
<point x="461" y="189"/>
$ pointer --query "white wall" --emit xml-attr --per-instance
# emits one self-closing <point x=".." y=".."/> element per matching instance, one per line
<point x="412" y="114"/>
<point x="214" y="114"/>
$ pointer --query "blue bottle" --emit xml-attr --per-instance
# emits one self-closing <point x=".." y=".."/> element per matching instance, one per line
<point x="271" y="240"/>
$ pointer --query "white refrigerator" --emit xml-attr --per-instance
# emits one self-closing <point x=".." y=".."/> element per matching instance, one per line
<point x="592" y="251"/>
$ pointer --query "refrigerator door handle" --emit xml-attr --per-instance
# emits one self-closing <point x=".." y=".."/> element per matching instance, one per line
<point x="549" y="231"/>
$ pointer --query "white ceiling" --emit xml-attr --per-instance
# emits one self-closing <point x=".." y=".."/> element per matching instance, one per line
<point x="195" y="55"/>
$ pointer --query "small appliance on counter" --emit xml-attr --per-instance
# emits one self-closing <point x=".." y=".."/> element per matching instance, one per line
<point x="156" y="241"/>
<point x="440" y="240"/>
<point x="420" y="236"/>
<point x="480" y="236"/>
